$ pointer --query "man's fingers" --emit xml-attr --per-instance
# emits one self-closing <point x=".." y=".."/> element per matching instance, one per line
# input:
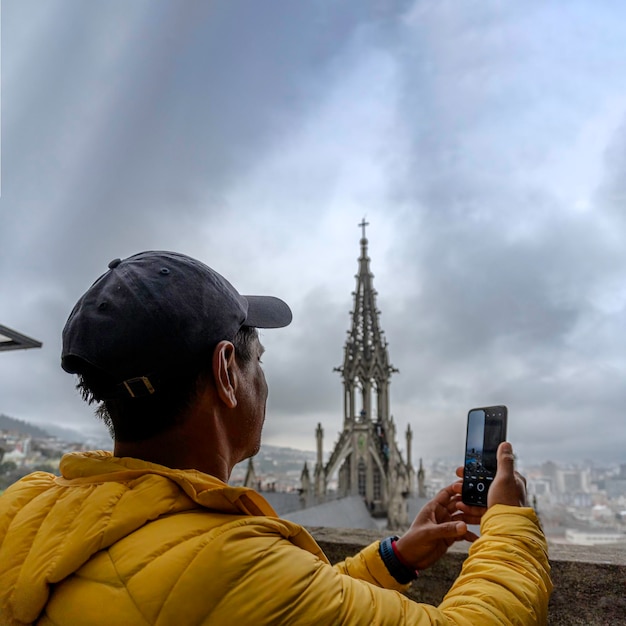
<point x="447" y="530"/>
<point x="471" y="516"/>
<point x="444" y="496"/>
<point x="469" y="536"/>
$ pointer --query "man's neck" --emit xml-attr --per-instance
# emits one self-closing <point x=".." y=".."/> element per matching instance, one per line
<point x="175" y="450"/>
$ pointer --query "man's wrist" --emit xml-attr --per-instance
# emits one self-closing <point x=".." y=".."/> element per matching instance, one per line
<point x="394" y="563"/>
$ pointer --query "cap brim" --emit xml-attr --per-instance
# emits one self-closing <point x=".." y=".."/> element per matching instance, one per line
<point x="267" y="312"/>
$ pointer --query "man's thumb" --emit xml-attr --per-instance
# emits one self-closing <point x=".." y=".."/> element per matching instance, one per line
<point x="506" y="459"/>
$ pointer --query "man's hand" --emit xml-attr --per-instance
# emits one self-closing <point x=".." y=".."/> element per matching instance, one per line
<point x="509" y="486"/>
<point x="440" y="523"/>
<point x="444" y="519"/>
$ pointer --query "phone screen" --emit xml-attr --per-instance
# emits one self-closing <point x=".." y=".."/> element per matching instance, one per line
<point x="486" y="429"/>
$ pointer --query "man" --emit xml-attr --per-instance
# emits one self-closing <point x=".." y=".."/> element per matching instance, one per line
<point x="153" y="534"/>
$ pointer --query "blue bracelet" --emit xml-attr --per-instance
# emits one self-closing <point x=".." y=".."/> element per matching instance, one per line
<point x="397" y="569"/>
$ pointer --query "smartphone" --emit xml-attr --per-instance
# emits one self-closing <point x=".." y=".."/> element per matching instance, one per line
<point x="486" y="429"/>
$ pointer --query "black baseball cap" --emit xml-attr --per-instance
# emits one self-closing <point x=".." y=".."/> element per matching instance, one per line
<point x="156" y="314"/>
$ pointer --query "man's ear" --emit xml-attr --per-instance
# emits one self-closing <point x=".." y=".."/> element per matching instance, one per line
<point x="225" y="373"/>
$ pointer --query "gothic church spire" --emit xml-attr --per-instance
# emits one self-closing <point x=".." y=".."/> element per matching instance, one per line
<point x="366" y="460"/>
<point x="366" y="368"/>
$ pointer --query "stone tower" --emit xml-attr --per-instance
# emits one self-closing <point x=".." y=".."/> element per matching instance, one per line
<point x="366" y="460"/>
<point x="251" y="480"/>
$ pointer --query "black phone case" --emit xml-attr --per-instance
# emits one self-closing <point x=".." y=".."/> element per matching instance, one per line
<point x="479" y="468"/>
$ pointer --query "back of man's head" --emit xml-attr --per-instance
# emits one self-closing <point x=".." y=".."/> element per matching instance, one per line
<point x="141" y="334"/>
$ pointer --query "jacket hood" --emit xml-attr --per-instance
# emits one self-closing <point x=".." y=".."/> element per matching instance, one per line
<point x="50" y="526"/>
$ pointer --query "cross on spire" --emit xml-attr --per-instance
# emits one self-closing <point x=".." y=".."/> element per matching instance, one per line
<point x="363" y="224"/>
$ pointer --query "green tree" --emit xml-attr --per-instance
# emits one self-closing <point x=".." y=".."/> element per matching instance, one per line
<point x="7" y="467"/>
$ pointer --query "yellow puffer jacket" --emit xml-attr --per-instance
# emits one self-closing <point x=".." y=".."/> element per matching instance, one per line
<point x="125" y="542"/>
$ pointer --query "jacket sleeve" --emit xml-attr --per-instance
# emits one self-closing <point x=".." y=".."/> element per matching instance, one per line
<point x="506" y="577"/>
<point x="504" y="580"/>
<point x="368" y="565"/>
<point x="507" y="566"/>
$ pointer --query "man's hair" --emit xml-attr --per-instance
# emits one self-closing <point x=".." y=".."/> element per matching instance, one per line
<point x="136" y="419"/>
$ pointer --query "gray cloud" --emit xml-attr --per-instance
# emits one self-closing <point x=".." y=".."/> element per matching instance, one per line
<point x="485" y="144"/>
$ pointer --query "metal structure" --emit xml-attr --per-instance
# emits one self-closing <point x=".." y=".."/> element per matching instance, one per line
<point x="12" y="340"/>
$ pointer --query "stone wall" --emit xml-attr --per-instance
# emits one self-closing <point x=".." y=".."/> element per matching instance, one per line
<point x="589" y="582"/>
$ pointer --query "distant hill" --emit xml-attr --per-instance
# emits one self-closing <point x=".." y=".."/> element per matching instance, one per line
<point x="65" y="434"/>
<point x="271" y="460"/>
<point x="276" y="460"/>
<point x="24" y="428"/>
<point x="268" y="457"/>
<point x="43" y="430"/>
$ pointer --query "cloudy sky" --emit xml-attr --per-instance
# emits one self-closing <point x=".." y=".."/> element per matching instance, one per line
<point x="484" y="141"/>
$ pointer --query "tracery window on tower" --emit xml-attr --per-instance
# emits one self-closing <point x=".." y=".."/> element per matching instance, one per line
<point x="377" y="483"/>
<point x="362" y="477"/>
<point x="364" y="400"/>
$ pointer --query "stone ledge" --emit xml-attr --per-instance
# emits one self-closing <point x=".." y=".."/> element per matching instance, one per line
<point x="589" y="582"/>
